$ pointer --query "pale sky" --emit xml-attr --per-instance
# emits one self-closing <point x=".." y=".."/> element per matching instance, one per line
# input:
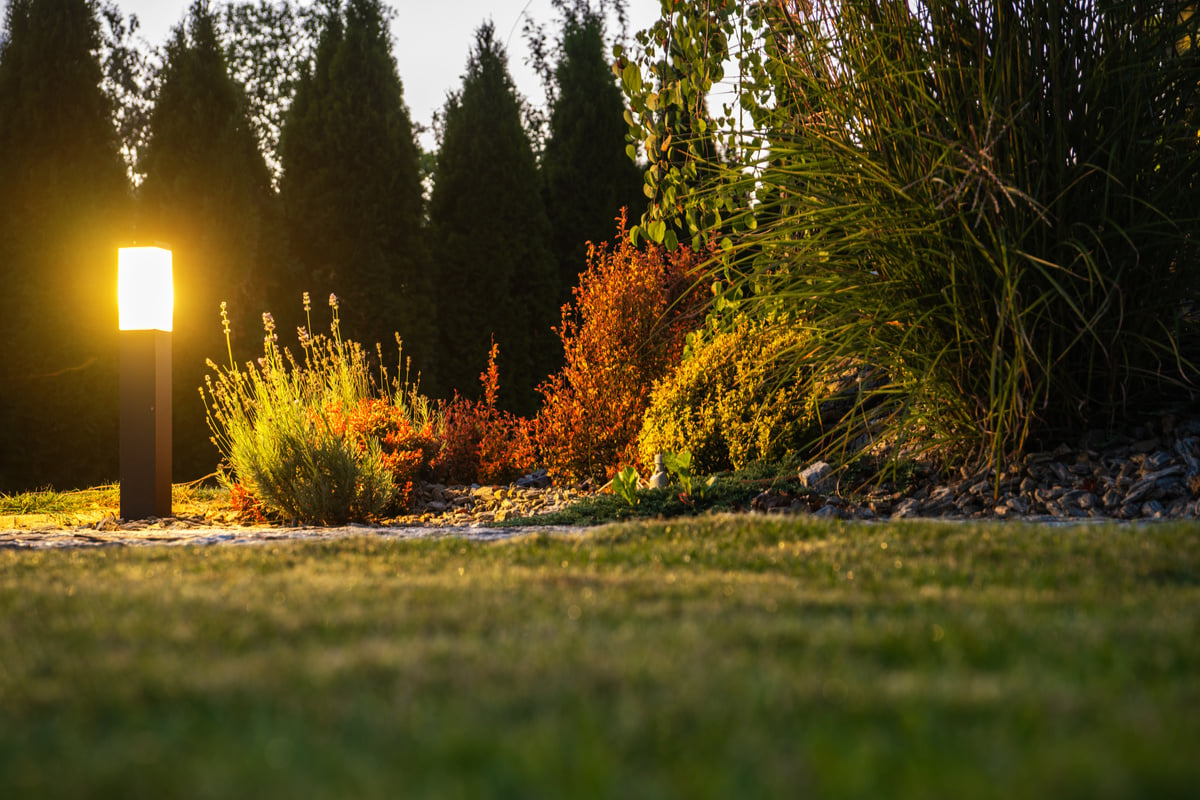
<point x="430" y="40"/>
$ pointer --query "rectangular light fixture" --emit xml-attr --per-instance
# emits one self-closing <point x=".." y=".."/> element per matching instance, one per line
<point x="145" y="291"/>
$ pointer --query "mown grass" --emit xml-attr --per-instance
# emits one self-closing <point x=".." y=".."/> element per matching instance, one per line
<point x="85" y="506"/>
<point x="717" y="657"/>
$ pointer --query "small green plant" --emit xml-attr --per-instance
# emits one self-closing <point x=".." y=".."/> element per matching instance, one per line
<point x="44" y="501"/>
<point x="679" y="465"/>
<point x="625" y="485"/>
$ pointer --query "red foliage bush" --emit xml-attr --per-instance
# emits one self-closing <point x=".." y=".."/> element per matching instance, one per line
<point x="625" y="329"/>
<point x="246" y="506"/>
<point x="480" y="444"/>
<point x="407" y="449"/>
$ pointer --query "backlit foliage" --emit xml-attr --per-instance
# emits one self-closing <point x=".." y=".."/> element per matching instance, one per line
<point x="316" y="440"/>
<point x="407" y="445"/>
<point x="739" y="397"/>
<point x="990" y="205"/>
<point x="625" y="329"/>
<point x="480" y="443"/>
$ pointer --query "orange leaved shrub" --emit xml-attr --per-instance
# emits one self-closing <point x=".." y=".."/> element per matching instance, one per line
<point x="480" y="444"/>
<point x="406" y="447"/>
<point x="625" y="329"/>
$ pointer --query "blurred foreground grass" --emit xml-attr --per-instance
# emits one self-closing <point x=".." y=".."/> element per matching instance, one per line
<point x="716" y="657"/>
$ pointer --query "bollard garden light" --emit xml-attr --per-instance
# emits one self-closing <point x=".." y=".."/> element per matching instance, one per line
<point x="145" y="303"/>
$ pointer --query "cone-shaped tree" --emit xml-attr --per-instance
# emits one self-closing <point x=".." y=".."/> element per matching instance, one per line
<point x="496" y="274"/>
<point x="206" y="194"/>
<point x="587" y="174"/>
<point x="351" y="188"/>
<point x="64" y="199"/>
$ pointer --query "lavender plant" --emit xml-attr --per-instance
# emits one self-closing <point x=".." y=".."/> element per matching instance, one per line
<point x="280" y="425"/>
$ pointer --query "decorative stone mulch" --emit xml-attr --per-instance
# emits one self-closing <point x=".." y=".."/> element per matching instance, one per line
<point x="439" y="505"/>
<point x="1153" y="476"/>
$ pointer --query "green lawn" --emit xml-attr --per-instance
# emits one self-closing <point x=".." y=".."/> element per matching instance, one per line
<point x="717" y="657"/>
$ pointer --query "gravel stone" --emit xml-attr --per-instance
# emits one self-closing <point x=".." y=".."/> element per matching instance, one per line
<point x="815" y="475"/>
<point x="1153" y="510"/>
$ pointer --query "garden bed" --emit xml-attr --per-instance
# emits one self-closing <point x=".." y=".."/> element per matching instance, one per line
<point x="1156" y="476"/>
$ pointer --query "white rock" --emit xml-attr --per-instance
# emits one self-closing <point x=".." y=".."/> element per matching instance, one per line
<point x="812" y="476"/>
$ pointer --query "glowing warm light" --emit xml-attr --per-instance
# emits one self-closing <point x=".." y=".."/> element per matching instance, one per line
<point x="145" y="292"/>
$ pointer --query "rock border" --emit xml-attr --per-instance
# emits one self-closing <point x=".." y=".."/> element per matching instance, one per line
<point x="1154" y="476"/>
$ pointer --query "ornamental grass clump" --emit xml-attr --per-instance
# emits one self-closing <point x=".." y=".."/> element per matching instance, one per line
<point x="995" y="207"/>
<point x="309" y="440"/>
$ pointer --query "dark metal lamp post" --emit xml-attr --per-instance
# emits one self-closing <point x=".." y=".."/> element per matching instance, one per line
<point x="145" y="301"/>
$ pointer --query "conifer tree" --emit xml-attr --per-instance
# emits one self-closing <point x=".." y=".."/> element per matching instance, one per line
<point x="64" y="199"/>
<point x="587" y="175"/>
<point x="207" y="195"/>
<point x="351" y="188"/>
<point x="496" y="274"/>
<point x="268" y="42"/>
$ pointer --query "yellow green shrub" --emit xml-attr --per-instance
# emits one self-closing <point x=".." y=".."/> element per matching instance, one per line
<point x="741" y="396"/>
